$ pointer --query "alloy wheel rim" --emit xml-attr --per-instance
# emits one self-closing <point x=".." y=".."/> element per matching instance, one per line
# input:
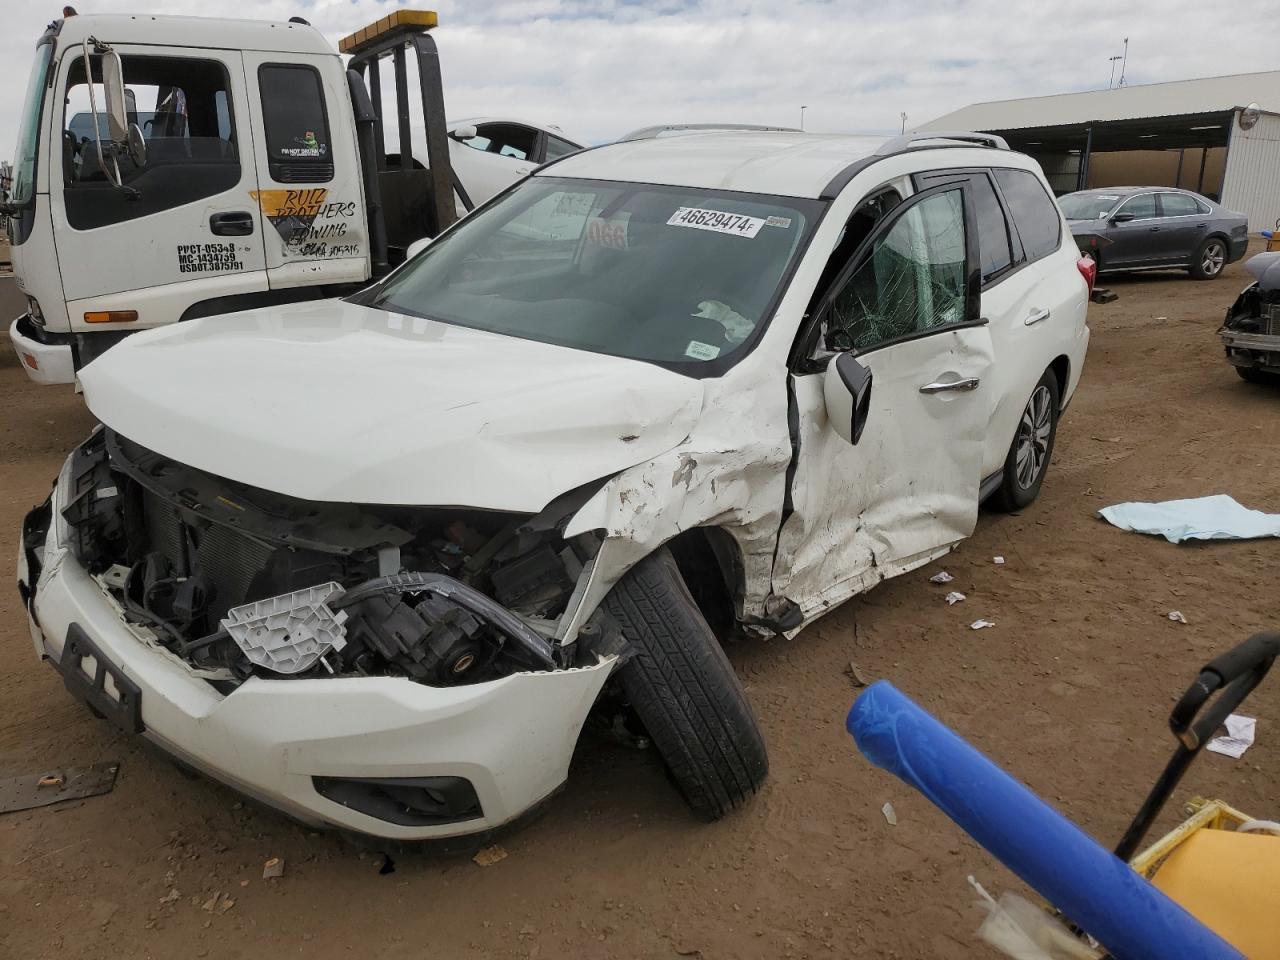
<point x="1033" y="438"/>
<point x="1214" y="258"/>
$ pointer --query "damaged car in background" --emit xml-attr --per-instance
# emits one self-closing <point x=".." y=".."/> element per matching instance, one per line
<point x="1251" y="332"/>
<point x="375" y="561"/>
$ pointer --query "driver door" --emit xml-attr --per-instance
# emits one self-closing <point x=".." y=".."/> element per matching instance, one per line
<point x="906" y="309"/>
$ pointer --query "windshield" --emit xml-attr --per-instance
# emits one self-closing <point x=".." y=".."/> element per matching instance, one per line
<point x="673" y="275"/>
<point x="1087" y="206"/>
<point x="24" y="157"/>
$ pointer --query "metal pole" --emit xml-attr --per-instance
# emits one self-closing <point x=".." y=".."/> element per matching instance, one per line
<point x="1204" y="156"/>
<point x="1124" y="61"/>
<point x="802" y="110"/>
<point x="444" y="207"/>
<point x="402" y="109"/>
<point x="1082" y="175"/>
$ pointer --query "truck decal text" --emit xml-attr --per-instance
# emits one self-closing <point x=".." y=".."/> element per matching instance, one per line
<point x="208" y="258"/>
<point x="307" y="221"/>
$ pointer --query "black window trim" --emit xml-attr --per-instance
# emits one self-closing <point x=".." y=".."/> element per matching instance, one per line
<point x="1136" y="196"/>
<point x="818" y="356"/>
<point x="21" y="223"/>
<point x="324" y="113"/>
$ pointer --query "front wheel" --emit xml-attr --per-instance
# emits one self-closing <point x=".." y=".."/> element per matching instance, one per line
<point x="1028" y="459"/>
<point x="1254" y="375"/>
<point x="1209" y="260"/>
<point x="684" y="690"/>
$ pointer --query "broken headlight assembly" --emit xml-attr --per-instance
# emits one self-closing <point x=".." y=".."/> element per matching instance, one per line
<point x="242" y="582"/>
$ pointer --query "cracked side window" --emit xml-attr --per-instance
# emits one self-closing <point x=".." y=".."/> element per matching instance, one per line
<point x="910" y="281"/>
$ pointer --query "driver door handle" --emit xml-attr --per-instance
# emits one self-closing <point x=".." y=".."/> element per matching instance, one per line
<point x="236" y="224"/>
<point x="939" y="386"/>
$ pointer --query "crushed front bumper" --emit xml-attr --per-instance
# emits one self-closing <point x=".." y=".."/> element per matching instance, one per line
<point x="326" y="751"/>
<point x="43" y="360"/>
<point x="1251" y="350"/>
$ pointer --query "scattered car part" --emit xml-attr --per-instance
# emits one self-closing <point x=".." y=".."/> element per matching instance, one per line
<point x="69" y="783"/>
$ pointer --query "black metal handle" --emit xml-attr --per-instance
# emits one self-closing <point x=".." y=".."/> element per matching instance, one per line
<point x="1235" y="673"/>
<point x="236" y="224"/>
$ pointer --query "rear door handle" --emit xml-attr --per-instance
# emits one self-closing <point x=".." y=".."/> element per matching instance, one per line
<point x="236" y="224"/>
<point x="1036" y="315"/>
<point x="940" y="386"/>
<point x="1153" y="229"/>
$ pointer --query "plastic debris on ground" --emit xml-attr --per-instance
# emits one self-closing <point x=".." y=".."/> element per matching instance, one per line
<point x="981" y="624"/>
<point x="856" y="675"/>
<point x="273" y="868"/>
<point x="490" y="855"/>
<point x="955" y="596"/>
<point x="890" y="815"/>
<point x="1239" y="737"/>
<point x="1217" y="517"/>
<point x="1177" y="617"/>
<point x="1019" y="929"/>
<point x="941" y="577"/>
<point x="997" y="560"/>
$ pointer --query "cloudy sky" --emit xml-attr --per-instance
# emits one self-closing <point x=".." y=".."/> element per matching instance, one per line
<point x="601" y="67"/>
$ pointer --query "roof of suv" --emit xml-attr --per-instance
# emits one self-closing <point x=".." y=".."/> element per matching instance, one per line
<point x="778" y="163"/>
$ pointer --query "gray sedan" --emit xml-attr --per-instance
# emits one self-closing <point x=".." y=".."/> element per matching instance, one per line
<point x="1155" y="228"/>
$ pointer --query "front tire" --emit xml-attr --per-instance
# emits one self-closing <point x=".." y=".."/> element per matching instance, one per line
<point x="1028" y="459"/>
<point x="1263" y="377"/>
<point x="684" y="690"/>
<point x="1210" y="259"/>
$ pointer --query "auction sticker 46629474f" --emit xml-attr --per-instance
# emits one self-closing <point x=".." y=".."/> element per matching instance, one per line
<point x="717" y="220"/>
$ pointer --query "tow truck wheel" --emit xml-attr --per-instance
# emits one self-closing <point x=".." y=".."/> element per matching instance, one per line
<point x="684" y="690"/>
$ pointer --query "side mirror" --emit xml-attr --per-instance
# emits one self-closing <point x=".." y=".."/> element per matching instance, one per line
<point x="1122" y="218"/>
<point x="113" y="87"/>
<point x="847" y="389"/>
<point x="465" y="132"/>
<point x="417" y="247"/>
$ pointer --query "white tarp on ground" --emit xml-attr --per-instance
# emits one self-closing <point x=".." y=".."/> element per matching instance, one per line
<point x="1203" y="518"/>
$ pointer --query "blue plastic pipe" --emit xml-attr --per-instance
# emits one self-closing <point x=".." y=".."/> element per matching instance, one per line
<point x="1090" y="885"/>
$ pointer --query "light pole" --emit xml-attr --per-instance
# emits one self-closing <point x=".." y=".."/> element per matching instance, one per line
<point x="904" y="122"/>
<point x="802" y="110"/>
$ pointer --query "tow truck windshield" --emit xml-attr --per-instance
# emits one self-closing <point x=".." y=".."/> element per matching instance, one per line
<point x="24" y="169"/>
<point x="671" y="275"/>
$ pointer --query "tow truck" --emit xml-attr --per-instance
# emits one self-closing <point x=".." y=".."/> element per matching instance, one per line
<point x="261" y="176"/>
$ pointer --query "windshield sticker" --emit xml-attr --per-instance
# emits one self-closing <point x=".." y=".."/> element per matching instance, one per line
<point x="718" y="221"/>
<point x="307" y="146"/>
<point x="208" y="258"/>
<point x="701" y="351"/>
<point x="607" y="233"/>
<point x="783" y="222"/>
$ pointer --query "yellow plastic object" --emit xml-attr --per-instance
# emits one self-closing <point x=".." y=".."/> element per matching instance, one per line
<point x="402" y="21"/>
<point x="1229" y="881"/>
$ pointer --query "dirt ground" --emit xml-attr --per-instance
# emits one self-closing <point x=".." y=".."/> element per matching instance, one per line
<point x="1069" y="692"/>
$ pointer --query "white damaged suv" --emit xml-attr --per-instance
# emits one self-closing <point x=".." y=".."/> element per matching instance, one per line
<point x="375" y="561"/>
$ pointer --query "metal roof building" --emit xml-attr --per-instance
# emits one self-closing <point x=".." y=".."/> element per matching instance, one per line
<point x="1195" y="134"/>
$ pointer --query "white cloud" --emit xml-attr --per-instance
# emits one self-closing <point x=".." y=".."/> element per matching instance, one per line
<point x="601" y="67"/>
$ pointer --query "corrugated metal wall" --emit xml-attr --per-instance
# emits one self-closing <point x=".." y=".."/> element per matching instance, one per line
<point x="1252" y="181"/>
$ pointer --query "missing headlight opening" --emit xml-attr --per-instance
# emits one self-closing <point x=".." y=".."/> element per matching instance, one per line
<point x="240" y="581"/>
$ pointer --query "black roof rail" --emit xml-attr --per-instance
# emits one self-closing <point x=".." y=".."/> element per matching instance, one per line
<point x="648" y="133"/>
<point x="908" y="140"/>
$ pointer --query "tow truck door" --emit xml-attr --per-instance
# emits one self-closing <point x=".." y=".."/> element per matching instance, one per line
<point x="182" y="230"/>
<point x="309" y="192"/>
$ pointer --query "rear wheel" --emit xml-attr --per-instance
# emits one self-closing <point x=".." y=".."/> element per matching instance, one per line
<point x="684" y="690"/>
<point x="1028" y="459"/>
<point x="1254" y="375"/>
<point x="1209" y="260"/>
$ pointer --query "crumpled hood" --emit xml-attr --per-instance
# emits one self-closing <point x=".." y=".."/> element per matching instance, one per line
<point x="333" y="401"/>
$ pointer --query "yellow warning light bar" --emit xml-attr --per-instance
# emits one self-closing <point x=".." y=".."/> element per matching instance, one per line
<point x="406" y="22"/>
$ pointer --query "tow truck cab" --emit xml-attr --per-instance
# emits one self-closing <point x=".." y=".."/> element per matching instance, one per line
<point x="236" y="164"/>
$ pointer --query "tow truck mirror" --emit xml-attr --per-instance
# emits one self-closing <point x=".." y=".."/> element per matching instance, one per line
<point x="847" y="390"/>
<point x="113" y="87"/>
<point x="465" y="132"/>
